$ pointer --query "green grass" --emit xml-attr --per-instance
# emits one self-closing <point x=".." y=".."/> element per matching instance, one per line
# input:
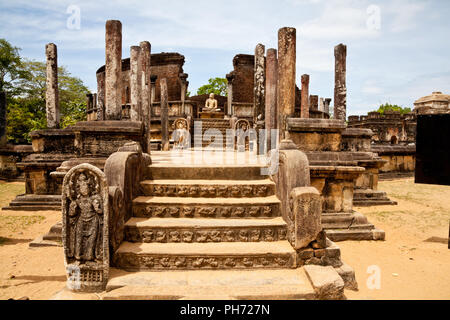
<point x="17" y="223"/>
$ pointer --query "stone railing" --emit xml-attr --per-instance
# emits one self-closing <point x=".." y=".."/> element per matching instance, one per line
<point x="301" y="206"/>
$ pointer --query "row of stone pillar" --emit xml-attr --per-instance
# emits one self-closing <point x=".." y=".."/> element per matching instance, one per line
<point x="279" y="83"/>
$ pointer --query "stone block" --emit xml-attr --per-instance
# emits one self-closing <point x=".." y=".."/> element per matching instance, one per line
<point x="305" y="212"/>
<point x="326" y="281"/>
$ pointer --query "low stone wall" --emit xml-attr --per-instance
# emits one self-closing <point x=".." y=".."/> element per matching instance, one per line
<point x="399" y="158"/>
<point x="10" y="155"/>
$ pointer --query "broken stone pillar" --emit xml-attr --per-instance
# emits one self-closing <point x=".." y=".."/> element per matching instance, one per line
<point x="321" y="104"/>
<point x="340" y="89"/>
<point x="314" y="102"/>
<point x="113" y="70"/>
<point x="135" y="84"/>
<point x="51" y="93"/>
<point x="183" y="85"/>
<point x="152" y="89"/>
<point x="304" y="111"/>
<point x="286" y="75"/>
<point x="101" y="96"/>
<point x="259" y="83"/>
<point x="3" y="138"/>
<point x="164" y="115"/>
<point x="145" y="58"/>
<point x="89" y="104"/>
<point x="271" y="112"/>
<point x="326" y="105"/>
<point x="230" y="78"/>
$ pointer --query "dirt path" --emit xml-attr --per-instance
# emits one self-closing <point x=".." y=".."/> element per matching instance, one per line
<point x="414" y="261"/>
<point x="410" y="267"/>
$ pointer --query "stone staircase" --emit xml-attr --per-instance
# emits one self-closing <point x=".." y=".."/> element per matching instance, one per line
<point x="215" y="232"/>
<point x="207" y="124"/>
<point x="185" y="221"/>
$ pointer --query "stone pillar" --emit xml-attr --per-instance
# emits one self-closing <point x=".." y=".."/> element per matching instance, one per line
<point x="145" y="82"/>
<point x="271" y="112"/>
<point x="152" y="89"/>
<point x="326" y="105"/>
<point x="230" y="78"/>
<point x="51" y="93"/>
<point x="135" y="84"/>
<point x="89" y="104"/>
<point x="321" y="104"/>
<point x="94" y="106"/>
<point x="183" y="85"/>
<point x="164" y="115"/>
<point x="340" y="89"/>
<point x="314" y="102"/>
<point x="3" y="138"/>
<point x="304" y="111"/>
<point x="101" y="96"/>
<point x="259" y="83"/>
<point x="113" y="70"/>
<point x="286" y="75"/>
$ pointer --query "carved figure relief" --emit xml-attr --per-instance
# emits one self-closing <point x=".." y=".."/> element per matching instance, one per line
<point x="85" y="202"/>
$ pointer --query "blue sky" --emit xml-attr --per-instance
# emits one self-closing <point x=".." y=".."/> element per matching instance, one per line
<point x="397" y="51"/>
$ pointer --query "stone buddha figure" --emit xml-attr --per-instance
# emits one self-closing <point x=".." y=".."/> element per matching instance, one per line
<point x="210" y="104"/>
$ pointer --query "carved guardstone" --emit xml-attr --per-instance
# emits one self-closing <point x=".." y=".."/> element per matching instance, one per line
<point x="85" y="211"/>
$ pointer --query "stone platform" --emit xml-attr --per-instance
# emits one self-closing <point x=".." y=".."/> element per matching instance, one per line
<point x="299" y="284"/>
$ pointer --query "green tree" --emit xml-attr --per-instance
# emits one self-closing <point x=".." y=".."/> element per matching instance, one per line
<point x="10" y="65"/>
<point x="217" y="86"/>
<point x="26" y="111"/>
<point x="393" y="107"/>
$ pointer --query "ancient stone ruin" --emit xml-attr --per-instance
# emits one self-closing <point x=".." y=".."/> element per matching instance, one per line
<point x="157" y="181"/>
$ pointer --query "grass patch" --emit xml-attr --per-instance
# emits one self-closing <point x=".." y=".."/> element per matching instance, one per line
<point x="9" y="190"/>
<point x="15" y="223"/>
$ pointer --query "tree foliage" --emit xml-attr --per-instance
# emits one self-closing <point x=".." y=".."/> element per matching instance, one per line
<point x="25" y="84"/>
<point x="393" y="107"/>
<point x="217" y="86"/>
<point x="10" y="65"/>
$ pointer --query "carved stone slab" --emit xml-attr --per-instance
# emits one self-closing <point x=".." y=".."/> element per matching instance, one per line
<point x="85" y="210"/>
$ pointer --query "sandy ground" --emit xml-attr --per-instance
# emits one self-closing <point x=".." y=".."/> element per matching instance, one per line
<point x="413" y="262"/>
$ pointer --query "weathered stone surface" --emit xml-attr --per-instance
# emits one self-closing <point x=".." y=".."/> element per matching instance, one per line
<point x="210" y="284"/>
<point x="135" y="84"/>
<point x="230" y="78"/>
<point x="113" y="70"/>
<point x="304" y="111"/>
<point x="340" y="88"/>
<point x="327" y="283"/>
<point x="305" y="211"/>
<point x="286" y="73"/>
<point x="326" y="105"/>
<point x="271" y="112"/>
<point x="314" y="102"/>
<point x="164" y="116"/>
<point x="51" y="92"/>
<point x="259" y="83"/>
<point x="145" y="62"/>
<point x="85" y="203"/>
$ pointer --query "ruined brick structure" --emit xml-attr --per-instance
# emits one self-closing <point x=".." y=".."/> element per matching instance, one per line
<point x="162" y="65"/>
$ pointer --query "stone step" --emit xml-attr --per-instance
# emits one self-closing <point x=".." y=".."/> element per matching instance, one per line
<point x="221" y="171"/>
<point x="210" y="284"/>
<point x="191" y="256"/>
<point x="188" y="207"/>
<point x="373" y="202"/>
<point x="355" y="234"/>
<point x="204" y="230"/>
<point x="209" y="188"/>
